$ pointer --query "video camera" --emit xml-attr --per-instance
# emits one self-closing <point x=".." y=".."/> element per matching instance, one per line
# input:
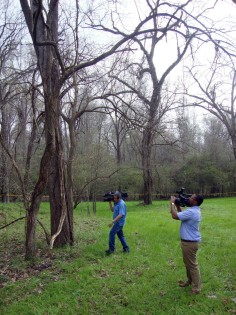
<point x="183" y="199"/>
<point x="110" y="196"/>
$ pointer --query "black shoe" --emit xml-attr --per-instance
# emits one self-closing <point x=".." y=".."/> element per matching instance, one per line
<point x="109" y="252"/>
<point x="126" y="250"/>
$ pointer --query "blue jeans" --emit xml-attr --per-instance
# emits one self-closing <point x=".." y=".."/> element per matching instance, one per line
<point x="117" y="229"/>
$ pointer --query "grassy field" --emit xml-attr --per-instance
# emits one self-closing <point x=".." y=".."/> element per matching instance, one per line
<point x="82" y="280"/>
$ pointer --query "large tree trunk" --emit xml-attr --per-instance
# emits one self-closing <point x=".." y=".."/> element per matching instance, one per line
<point x="56" y="183"/>
<point x="69" y="177"/>
<point x="234" y="146"/>
<point x="45" y="37"/>
<point x="31" y="217"/>
<point x="146" y="164"/>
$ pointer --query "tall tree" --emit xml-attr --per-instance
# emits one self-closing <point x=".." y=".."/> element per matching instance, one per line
<point x="44" y="35"/>
<point x="10" y="37"/>
<point x="171" y="23"/>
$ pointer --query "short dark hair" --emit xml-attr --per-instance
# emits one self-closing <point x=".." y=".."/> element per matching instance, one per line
<point x="199" y="199"/>
<point x="117" y="194"/>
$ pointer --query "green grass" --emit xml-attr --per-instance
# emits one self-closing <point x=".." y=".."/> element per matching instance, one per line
<point x="82" y="280"/>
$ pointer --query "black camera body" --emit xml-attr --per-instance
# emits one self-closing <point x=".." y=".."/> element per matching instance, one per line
<point x="183" y="199"/>
<point x="110" y="196"/>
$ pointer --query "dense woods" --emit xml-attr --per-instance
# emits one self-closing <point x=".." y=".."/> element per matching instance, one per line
<point x="95" y="97"/>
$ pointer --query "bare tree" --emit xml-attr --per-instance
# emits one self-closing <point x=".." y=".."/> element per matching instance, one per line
<point x="10" y="36"/>
<point x="217" y="93"/>
<point x="166" y="21"/>
<point x="119" y="126"/>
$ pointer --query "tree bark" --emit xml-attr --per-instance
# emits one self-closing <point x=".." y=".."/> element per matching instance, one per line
<point x="31" y="217"/>
<point x="45" y="37"/>
<point x="4" y="165"/>
<point x="146" y="164"/>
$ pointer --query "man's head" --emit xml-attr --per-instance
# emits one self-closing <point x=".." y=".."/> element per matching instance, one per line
<point x="117" y="196"/>
<point x="195" y="200"/>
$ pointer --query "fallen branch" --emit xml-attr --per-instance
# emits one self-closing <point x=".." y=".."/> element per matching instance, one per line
<point x="3" y="227"/>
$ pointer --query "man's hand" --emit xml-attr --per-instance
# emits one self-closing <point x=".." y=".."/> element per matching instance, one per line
<point x="116" y="219"/>
<point x="173" y="210"/>
<point x="172" y="199"/>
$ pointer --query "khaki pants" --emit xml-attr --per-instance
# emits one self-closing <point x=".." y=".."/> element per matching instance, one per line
<point x="189" y="251"/>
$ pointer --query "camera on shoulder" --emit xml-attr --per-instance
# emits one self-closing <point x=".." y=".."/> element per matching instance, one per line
<point x="182" y="199"/>
<point x="109" y="196"/>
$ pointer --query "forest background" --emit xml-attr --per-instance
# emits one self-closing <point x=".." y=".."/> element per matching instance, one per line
<point x="98" y="96"/>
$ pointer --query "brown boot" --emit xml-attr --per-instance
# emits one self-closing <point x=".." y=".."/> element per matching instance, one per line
<point x="195" y="291"/>
<point x="183" y="283"/>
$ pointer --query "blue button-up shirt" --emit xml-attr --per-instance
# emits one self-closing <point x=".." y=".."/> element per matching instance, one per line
<point x="120" y="208"/>
<point x="190" y="222"/>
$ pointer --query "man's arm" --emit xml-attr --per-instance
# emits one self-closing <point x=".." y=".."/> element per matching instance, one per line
<point x="174" y="209"/>
<point x="111" y="207"/>
<point x="115" y="220"/>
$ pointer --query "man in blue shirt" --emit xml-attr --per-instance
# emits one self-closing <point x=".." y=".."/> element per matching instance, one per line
<point x="190" y="238"/>
<point x="119" y="217"/>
